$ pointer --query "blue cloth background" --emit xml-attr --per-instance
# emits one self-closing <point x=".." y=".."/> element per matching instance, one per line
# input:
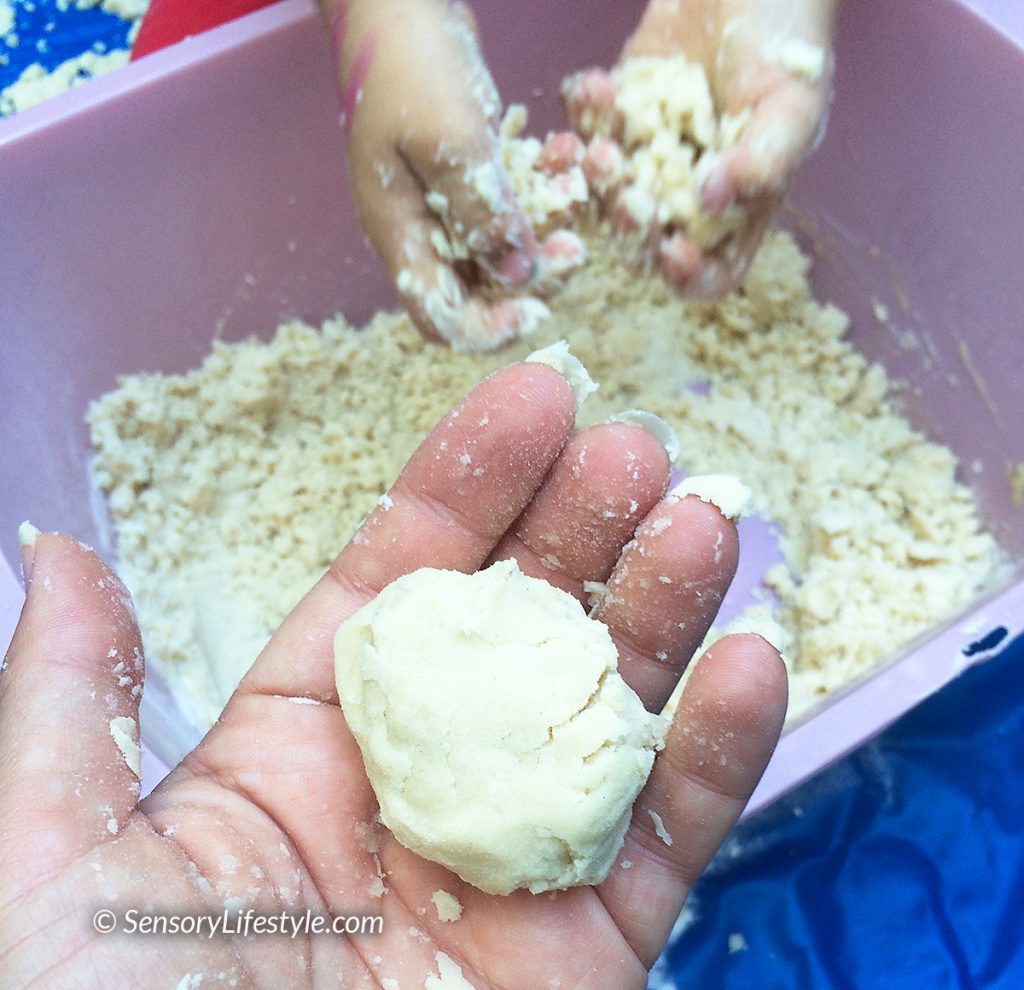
<point x="50" y="36"/>
<point x="901" y="867"/>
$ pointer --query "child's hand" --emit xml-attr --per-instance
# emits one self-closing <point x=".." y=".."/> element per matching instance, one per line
<point x="768" y="58"/>
<point x="273" y="811"/>
<point x="421" y="114"/>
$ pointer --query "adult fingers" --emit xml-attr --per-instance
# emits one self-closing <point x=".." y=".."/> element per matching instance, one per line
<point x="665" y="591"/>
<point x="724" y="731"/>
<point x="603" y="483"/>
<point x="465" y="485"/>
<point x="69" y="699"/>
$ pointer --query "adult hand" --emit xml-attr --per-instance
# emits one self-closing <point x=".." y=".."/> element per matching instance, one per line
<point x="273" y="810"/>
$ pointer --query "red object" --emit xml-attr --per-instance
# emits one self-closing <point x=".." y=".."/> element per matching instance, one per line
<point x="169" y="21"/>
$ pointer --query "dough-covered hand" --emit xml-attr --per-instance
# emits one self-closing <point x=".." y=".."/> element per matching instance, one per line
<point x="421" y="114"/>
<point x="273" y="811"/>
<point x="769" y="67"/>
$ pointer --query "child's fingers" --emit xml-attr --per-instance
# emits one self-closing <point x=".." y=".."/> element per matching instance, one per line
<point x="69" y="700"/>
<point x="469" y="191"/>
<point x="589" y="98"/>
<point x="408" y="239"/>
<point x="782" y="129"/>
<point x="719" y="271"/>
<point x="665" y="591"/>
<point x="723" y="733"/>
<point x="603" y="483"/>
<point x="679" y="260"/>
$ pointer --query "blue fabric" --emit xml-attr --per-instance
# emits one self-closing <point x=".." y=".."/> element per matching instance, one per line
<point x="902" y="866"/>
<point x="50" y="36"/>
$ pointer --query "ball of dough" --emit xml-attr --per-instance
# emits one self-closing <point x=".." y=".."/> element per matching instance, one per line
<point x="497" y="734"/>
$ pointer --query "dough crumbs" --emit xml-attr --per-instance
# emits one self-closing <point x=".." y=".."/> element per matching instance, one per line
<point x="447" y="905"/>
<point x="659" y="827"/>
<point x="232" y="487"/>
<point x="655" y="425"/>
<point x="27" y="534"/>
<point x="595" y="591"/>
<point x="125" y="731"/>
<point x="671" y="142"/>
<point x="449" y="975"/>
<point x="557" y="356"/>
<point x="737" y="943"/>
<point x="389" y="983"/>
<point x="729" y="495"/>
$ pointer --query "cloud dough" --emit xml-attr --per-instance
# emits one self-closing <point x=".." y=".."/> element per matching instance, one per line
<point x="498" y="736"/>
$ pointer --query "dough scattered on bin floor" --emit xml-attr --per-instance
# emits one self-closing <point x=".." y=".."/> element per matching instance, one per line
<point x="233" y="486"/>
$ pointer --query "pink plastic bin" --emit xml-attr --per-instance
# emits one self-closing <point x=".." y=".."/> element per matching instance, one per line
<point x="153" y="209"/>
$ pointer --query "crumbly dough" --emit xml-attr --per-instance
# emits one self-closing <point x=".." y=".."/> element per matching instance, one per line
<point x="729" y="495"/>
<point x="549" y="202"/>
<point x="655" y="425"/>
<point x="498" y="736"/>
<point x="232" y="487"/>
<point x="671" y="140"/>
<point x="125" y="732"/>
<point x="449" y="975"/>
<point x="446" y="905"/>
<point x="546" y="200"/>
<point x="557" y="356"/>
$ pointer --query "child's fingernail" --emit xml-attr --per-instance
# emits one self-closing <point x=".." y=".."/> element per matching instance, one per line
<point x="515" y="269"/>
<point x="27" y="534"/>
<point x="716" y="194"/>
<point x="655" y="425"/>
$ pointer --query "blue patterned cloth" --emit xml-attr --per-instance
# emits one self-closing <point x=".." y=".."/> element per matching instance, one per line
<point x="49" y="36"/>
<point x="900" y="867"/>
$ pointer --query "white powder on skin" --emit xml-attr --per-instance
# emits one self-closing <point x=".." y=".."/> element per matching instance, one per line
<point x="231" y="488"/>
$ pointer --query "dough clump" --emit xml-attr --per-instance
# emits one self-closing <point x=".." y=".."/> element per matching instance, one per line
<point x="497" y="734"/>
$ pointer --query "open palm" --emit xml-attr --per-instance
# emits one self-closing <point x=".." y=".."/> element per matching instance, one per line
<point x="273" y="810"/>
